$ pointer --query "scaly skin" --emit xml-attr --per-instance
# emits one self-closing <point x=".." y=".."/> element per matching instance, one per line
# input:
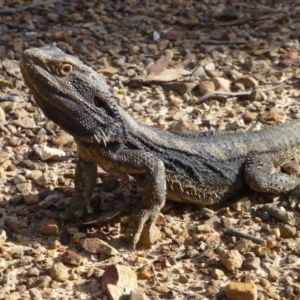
<point x="199" y="168"/>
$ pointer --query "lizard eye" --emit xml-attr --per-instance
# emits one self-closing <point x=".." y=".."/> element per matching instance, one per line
<point x="66" y="69"/>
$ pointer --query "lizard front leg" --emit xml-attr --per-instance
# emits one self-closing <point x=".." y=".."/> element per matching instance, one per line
<point x="141" y="167"/>
<point x="149" y="173"/>
<point x="85" y="180"/>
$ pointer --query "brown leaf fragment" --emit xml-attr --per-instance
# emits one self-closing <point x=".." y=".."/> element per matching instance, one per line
<point x="159" y="66"/>
<point x="109" y="71"/>
<point x="11" y="66"/>
<point x="97" y="246"/>
<point x="291" y="167"/>
<point x="247" y="81"/>
<point x="168" y="75"/>
<point x="162" y="44"/>
<point x="116" y="279"/>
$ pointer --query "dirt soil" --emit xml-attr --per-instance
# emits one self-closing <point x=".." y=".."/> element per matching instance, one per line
<point x="178" y="65"/>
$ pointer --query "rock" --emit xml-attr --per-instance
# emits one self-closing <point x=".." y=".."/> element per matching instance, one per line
<point x="222" y="83"/>
<point x="48" y="227"/>
<point x="241" y="291"/>
<point x="145" y="274"/>
<point x="275" y="114"/>
<point x="213" y="222"/>
<point x="24" y="187"/>
<point x="13" y="225"/>
<point x="238" y="124"/>
<point x="248" y="117"/>
<point x="2" y="115"/>
<point x="35" y="174"/>
<point x="62" y="139"/>
<point x="47" y="180"/>
<point x="204" y="228"/>
<point x="198" y="72"/>
<point x="21" y="113"/>
<point x="229" y="14"/>
<point x="182" y="125"/>
<point x="39" y="281"/>
<point x="257" y="96"/>
<point x="183" y="278"/>
<point x="155" y="236"/>
<point x="33" y="272"/>
<point x="31" y="199"/>
<point x="217" y="274"/>
<point x="3" y="237"/>
<point x="116" y="279"/>
<point x="19" y="179"/>
<point x="206" y="213"/>
<point x="2" y="173"/>
<point x="13" y="296"/>
<point x="206" y="86"/>
<point x="138" y="294"/>
<point x="110" y="184"/>
<point x="59" y="272"/>
<point x="35" y="294"/>
<point x="72" y="257"/>
<point x="46" y="153"/>
<point x="287" y="231"/>
<point x="244" y="246"/>
<point x="231" y="259"/>
<point x="243" y="204"/>
<point x="210" y="67"/>
<point x="97" y="246"/>
<point x="251" y="263"/>
<point x="15" y="141"/>
<point x="26" y="122"/>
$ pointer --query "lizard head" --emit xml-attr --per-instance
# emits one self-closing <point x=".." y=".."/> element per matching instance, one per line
<point x="71" y="94"/>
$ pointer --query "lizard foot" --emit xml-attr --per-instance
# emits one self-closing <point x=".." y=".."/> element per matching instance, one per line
<point x="76" y="209"/>
<point x="142" y="228"/>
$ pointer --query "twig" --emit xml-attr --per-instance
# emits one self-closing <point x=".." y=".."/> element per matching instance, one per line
<point x="10" y="11"/>
<point x="213" y="42"/>
<point x="234" y="232"/>
<point x="181" y="292"/>
<point x="239" y="94"/>
<point x="154" y="274"/>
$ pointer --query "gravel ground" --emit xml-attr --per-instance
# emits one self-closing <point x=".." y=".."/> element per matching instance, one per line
<point x="177" y="65"/>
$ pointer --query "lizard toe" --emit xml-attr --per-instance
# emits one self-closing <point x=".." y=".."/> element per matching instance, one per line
<point x="142" y="228"/>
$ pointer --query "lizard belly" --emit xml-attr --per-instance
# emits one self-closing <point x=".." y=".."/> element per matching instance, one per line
<point x="181" y="189"/>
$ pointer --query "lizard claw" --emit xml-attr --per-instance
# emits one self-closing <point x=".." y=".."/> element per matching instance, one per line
<point x="142" y="228"/>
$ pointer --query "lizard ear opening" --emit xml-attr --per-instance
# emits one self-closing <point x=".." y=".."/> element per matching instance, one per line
<point x="104" y="107"/>
<point x="98" y="102"/>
